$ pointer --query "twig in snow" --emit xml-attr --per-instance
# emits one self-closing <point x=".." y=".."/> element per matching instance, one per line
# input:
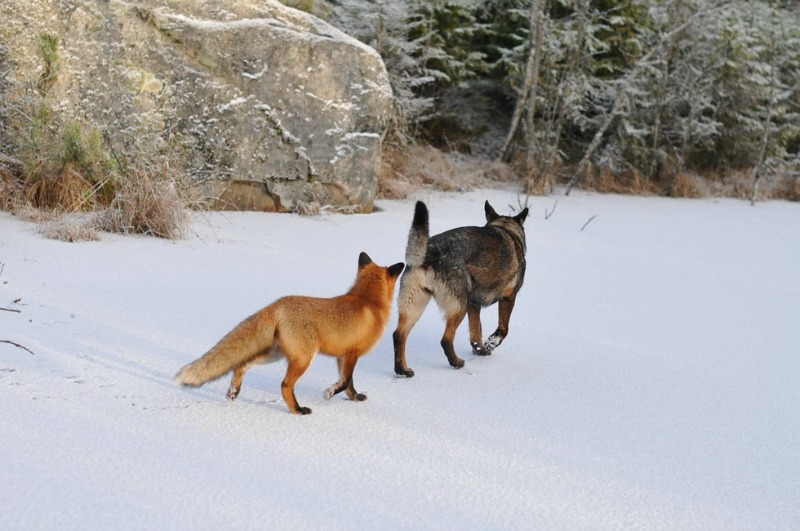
<point x="590" y="220"/>
<point x="10" y="310"/>
<point x="17" y="345"/>
<point x="546" y="214"/>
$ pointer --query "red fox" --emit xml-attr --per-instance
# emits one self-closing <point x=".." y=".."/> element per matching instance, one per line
<point x="296" y="328"/>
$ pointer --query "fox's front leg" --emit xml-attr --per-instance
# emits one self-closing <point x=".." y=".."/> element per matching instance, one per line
<point x="346" y="365"/>
<point x="297" y="366"/>
<point x="505" y="307"/>
<point x="475" y="331"/>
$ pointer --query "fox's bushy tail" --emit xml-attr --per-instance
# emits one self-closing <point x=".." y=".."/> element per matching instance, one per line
<point x="418" y="236"/>
<point x="251" y="337"/>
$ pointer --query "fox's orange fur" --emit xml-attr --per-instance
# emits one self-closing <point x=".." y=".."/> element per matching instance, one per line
<point x="296" y="328"/>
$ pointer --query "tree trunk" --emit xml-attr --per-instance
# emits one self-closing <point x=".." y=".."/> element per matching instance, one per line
<point x="572" y="67"/>
<point x="531" y="75"/>
<point x="674" y="13"/>
<point x="758" y="171"/>
<point x="536" y="43"/>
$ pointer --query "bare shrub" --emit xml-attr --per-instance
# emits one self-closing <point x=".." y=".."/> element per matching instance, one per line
<point x="411" y="168"/>
<point x="688" y="185"/>
<point x="789" y="189"/>
<point x="144" y="205"/>
<point x="36" y="215"/>
<point x="10" y="187"/>
<point x="69" y="229"/>
<point x="308" y="208"/>
<point x="629" y="182"/>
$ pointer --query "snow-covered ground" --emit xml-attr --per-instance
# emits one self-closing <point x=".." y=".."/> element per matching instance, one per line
<point x="651" y="378"/>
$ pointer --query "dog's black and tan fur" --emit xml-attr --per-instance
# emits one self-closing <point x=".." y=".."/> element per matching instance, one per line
<point x="463" y="269"/>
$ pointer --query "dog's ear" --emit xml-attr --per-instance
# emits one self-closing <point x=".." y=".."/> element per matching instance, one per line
<point x="396" y="269"/>
<point x="520" y="218"/>
<point x="363" y="259"/>
<point x="491" y="215"/>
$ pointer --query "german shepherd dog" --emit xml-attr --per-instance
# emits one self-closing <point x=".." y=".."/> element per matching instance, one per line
<point x="463" y="269"/>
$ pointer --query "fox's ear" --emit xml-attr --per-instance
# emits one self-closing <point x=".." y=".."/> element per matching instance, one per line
<point x="396" y="269"/>
<point x="363" y="259"/>
<point x="491" y="215"/>
<point x="520" y="218"/>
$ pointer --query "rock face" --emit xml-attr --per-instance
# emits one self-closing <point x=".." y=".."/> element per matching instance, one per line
<point x="249" y="91"/>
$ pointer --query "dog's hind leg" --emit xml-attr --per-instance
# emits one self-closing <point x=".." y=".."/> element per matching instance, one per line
<point x="475" y="330"/>
<point x="452" y="322"/>
<point x="412" y="300"/>
<point x="505" y="307"/>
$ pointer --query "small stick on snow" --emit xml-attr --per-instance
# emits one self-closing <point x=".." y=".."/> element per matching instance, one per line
<point x="16" y="345"/>
<point x="546" y="214"/>
<point x="590" y="220"/>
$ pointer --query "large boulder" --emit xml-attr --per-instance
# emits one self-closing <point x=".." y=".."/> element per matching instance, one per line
<point x="260" y="98"/>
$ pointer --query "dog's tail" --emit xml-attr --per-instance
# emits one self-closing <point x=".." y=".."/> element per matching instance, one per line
<point x="418" y="236"/>
<point x="251" y="337"/>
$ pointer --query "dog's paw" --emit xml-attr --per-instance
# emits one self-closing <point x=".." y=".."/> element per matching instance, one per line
<point x="478" y="350"/>
<point x="492" y="343"/>
<point x="457" y="363"/>
<point x="408" y="373"/>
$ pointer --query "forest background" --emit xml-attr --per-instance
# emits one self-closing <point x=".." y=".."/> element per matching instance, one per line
<point x="676" y="97"/>
<point x="685" y="98"/>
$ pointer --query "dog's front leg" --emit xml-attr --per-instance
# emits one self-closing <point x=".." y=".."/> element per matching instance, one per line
<point x="475" y="331"/>
<point x="505" y="307"/>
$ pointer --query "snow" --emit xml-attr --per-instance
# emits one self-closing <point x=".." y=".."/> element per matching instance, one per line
<point x="650" y="378"/>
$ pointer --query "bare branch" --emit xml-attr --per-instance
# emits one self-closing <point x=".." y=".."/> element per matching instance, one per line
<point x="546" y="214"/>
<point x="17" y="345"/>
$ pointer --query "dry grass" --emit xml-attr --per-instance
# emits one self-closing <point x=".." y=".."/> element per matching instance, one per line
<point x="144" y="205"/>
<point x="69" y="229"/>
<point x="408" y="170"/>
<point x="67" y="190"/>
<point x="789" y="189"/>
<point x="631" y="182"/>
<point x="310" y="208"/>
<point x="688" y="185"/>
<point x="10" y="189"/>
<point x="56" y="225"/>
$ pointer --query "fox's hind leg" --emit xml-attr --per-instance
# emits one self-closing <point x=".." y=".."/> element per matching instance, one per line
<point x="475" y="330"/>
<point x="505" y="307"/>
<point x="412" y="300"/>
<point x="238" y="372"/>
<point x="236" y="381"/>
<point x="238" y="375"/>
<point x="347" y="365"/>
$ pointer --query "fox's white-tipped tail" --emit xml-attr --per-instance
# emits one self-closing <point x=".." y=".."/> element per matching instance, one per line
<point x="249" y="338"/>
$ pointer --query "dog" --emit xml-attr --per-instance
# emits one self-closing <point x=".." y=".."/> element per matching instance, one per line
<point x="296" y="328"/>
<point x="464" y="270"/>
